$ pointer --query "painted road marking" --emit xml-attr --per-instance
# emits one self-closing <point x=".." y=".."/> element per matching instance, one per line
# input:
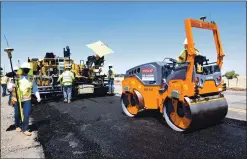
<point x="237" y="110"/>
<point x="229" y="108"/>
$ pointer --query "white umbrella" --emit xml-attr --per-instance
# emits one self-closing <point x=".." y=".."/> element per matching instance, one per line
<point x="100" y="48"/>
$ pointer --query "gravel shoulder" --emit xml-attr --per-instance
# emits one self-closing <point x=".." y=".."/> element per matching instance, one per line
<point x="14" y="144"/>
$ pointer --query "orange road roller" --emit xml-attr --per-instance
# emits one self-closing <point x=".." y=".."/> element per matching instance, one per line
<point x="188" y="94"/>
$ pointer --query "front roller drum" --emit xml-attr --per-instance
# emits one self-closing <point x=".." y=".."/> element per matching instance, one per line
<point x="184" y="116"/>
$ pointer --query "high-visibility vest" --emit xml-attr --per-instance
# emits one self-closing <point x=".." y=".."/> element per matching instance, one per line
<point x="184" y="55"/>
<point x="111" y="73"/>
<point x="68" y="77"/>
<point x="4" y="80"/>
<point x="20" y="72"/>
<point x="25" y="87"/>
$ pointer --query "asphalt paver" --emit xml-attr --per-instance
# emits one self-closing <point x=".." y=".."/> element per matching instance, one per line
<point x="95" y="127"/>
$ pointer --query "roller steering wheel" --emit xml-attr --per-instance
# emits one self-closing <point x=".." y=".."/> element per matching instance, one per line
<point x="173" y="62"/>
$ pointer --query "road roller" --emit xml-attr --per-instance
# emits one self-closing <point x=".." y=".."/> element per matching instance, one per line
<point x="188" y="94"/>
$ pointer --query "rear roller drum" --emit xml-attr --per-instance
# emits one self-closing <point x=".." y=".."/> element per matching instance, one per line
<point x="129" y="104"/>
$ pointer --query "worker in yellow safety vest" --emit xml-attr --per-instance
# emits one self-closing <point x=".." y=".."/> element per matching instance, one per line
<point x="67" y="80"/>
<point x="25" y="87"/>
<point x="4" y="81"/>
<point x="184" y="54"/>
<point x="111" y="76"/>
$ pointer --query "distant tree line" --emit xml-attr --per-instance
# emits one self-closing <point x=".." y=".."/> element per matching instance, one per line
<point x="231" y="75"/>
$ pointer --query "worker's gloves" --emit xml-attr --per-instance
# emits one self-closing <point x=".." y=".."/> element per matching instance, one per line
<point x="38" y="96"/>
<point x="38" y="99"/>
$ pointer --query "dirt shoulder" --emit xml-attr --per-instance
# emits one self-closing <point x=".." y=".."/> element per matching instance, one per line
<point x="237" y="89"/>
<point x="15" y="144"/>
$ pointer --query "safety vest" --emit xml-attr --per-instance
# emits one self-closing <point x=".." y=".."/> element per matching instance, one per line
<point x="25" y="89"/>
<point x="184" y="55"/>
<point x="26" y="96"/>
<point x="111" y="73"/>
<point x="20" y="72"/>
<point x="4" y="80"/>
<point x="68" y="77"/>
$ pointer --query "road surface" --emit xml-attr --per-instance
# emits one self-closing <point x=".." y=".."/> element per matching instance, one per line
<point x="95" y="127"/>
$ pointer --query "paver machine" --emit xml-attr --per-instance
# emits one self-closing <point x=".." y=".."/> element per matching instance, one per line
<point x="188" y="94"/>
<point x="88" y="76"/>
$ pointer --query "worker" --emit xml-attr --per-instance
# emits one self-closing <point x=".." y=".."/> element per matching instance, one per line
<point x="67" y="80"/>
<point x="10" y="85"/>
<point x="111" y="75"/>
<point x="184" y="54"/>
<point x="98" y="61"/>
<point x="4" y="81"/>
<point x="26" y="86"/>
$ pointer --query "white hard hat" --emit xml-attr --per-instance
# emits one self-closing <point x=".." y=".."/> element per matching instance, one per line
<point x="185" y="41"/>
<point x="26" y="65"/>
<point x="15" y="68"/>
<point x="110" y="65"/>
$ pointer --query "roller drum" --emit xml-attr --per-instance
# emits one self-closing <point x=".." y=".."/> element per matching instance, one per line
<point x="208" y="113"/>
<point x="193" y="115"/>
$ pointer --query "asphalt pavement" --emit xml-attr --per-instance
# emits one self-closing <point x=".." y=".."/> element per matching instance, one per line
<point x="95" y="127"/>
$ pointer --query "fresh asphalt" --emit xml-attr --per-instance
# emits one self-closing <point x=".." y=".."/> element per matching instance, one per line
<point x="95" y="127"/>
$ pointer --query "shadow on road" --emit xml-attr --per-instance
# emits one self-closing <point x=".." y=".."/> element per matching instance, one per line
<point x="33" y="127"/>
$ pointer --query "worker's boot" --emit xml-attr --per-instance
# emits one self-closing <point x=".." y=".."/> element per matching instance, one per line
<point x="69" y="101"/>
<point x="27" y="133"/>
<point x="18" y="129"/>
<point x="65" y="100"/>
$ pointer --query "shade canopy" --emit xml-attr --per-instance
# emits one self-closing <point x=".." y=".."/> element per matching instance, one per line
<point x="100" y="48"/>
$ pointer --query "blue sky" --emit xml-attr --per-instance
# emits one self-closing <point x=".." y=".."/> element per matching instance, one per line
<point x="138" y="32"/>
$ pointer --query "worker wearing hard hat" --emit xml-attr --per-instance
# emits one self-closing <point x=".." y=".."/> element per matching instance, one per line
<point x="26" y="86"/>
<point x="184" y="54"/>
<point x="67" y="80"/>
<point x="10" y="85"/>
<point x="111" y="76"/>
<point x="4" y="81"/>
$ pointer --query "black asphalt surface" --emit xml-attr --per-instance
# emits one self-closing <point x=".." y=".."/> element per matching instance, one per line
<point x="95" y="127"/>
